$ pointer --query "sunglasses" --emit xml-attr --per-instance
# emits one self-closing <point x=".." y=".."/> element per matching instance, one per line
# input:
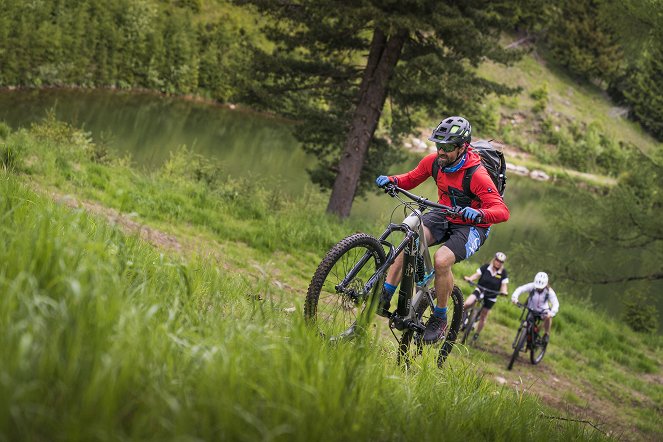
<point x="447" y="147"/>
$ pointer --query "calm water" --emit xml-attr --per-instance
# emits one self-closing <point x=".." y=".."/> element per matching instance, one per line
<point x="249" y="144"/>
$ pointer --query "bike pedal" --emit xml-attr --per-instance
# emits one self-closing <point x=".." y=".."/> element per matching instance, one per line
<point x="384" y="313"/>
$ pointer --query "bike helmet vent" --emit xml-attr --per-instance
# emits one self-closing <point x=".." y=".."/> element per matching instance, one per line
<point x="500" y="256"/>
<point x="452" y="130"/>
<point x="540" y="280"/>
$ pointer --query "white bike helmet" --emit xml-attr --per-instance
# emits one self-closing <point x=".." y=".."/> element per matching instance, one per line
<point x="500" y="256"/>
<point x="540" y="280"/>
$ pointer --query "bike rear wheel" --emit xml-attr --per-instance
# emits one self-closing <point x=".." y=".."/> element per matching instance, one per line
<point x="341" y="312"/>
<point x="521" y="336"/>
<point x="410" y="344"/>
<point x="455" y="312"/>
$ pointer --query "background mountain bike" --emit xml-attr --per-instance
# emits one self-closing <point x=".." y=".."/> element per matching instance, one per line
<point x="528" y="337"/>
<point x="472" y="315"/>
<point x="344" y="291"/>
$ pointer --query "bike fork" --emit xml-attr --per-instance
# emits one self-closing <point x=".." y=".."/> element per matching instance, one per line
<point x="407" y="281"/>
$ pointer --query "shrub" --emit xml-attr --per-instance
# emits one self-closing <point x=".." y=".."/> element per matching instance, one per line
<point x="640" y="313"/>
<point x="8" y="157"/>
<point x="540" y="96"/>
<point x="5" y="130"/>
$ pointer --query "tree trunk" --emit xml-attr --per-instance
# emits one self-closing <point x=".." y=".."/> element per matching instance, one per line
<point x="382" y="58"/>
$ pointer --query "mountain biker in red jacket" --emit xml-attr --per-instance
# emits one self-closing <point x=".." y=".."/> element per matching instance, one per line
<point x="462" y="236"/>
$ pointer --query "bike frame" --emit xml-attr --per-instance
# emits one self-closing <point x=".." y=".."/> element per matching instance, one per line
<point x="528" y="319"/>
<point x="478" y="303"/>
<point x="413" y="246"/>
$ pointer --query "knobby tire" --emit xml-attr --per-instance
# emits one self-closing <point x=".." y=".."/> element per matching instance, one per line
<point x="341" y="315"/>
<point x="470" y="323"/>
<point x="454" y="326"/>
<point x="410" y="336"/>
<point x="520" y="341"/>
<point x="537" y="351"/>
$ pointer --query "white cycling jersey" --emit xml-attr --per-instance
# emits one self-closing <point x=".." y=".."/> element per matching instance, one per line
<point x="537" y="300"/>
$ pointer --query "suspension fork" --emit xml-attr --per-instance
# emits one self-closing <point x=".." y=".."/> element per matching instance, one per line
<point x="407" y="279"/>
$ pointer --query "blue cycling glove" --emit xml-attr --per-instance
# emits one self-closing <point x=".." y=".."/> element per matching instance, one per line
<point x="382" y="180"/>
<point x="470" y="214"/>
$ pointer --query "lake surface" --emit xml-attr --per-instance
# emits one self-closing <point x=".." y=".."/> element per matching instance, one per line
<point x="149" y="127"/>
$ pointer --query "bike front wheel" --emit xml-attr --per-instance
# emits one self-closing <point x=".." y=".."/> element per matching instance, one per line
<point x="538" y="350"/>
<point x="521" y="336"/>
<point x="474" y="312"/>
<point x="337" y="301"/>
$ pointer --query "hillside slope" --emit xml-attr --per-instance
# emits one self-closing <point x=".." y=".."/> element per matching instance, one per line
<point x="224" y="283"/>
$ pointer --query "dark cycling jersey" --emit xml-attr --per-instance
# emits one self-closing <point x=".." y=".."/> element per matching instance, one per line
<point x="490" y="281"/>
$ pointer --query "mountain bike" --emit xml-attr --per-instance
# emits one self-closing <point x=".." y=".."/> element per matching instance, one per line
<point x="472" y="315"/>
<point x="345" y="289"/>
<point x="528" y="337"/>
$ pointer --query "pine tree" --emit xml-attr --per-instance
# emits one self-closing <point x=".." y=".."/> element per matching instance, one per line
<point x="644" y="91"/>
<point x="581" y="40"/>
<point x="335" y="63"/>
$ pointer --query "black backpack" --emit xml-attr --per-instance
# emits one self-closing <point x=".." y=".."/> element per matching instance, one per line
<point x="491" y="158"/>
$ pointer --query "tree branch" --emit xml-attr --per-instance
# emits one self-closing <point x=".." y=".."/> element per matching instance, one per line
<point x="582" y="421"/>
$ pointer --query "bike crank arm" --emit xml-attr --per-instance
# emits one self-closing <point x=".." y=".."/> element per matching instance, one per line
<point x="400" y="324"/>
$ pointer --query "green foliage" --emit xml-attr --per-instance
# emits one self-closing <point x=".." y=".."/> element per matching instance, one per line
<point x="103" y="316"/>
<point x="188" y="189"/>
<point x="105" y="337"/>
<point x="616" y="44"/>
<point x="120" y="43"/>
<point x="540" y="96"/>
<point x="311" y="74"/>
<point x="486" y="117"/>
<point x="644" y="92"/>
<point x="583" y="43"/>
<point x="639" y="313"/>
<point x="5" y="130"/>
<point x="584" y="147"/>
<point x="636" y="203"/>
<point x="8" y="156"/>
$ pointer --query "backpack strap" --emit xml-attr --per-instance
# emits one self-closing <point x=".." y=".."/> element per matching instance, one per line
<point x="467" y="179"/>
<point x="545" y="299"/>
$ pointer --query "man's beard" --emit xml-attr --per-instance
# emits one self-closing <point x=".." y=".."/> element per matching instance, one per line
<point x="443" y="162"/>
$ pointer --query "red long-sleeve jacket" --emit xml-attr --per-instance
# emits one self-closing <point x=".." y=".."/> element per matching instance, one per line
<point x="488" y="200"/>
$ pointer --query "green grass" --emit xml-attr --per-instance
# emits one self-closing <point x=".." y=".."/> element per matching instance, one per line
<point x="570" y="99"/>
<point x="588" y="348"/>
<point x="107" y="337"/>
<point x="104" y="337"/>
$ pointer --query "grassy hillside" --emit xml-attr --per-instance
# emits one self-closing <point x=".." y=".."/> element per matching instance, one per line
<point x="191" y="333"/>
<point x="558" y="120"/>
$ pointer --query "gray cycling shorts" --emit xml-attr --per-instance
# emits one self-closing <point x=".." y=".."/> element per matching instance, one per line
<point x="463" y="240"/>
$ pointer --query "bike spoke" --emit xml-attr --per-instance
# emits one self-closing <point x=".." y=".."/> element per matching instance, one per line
<point x="338" y="310"/>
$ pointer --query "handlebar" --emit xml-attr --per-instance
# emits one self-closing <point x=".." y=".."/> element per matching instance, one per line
<point x="484" y="289"/>
<point x="392" y="189"/>
<point x="536" y="312"/>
